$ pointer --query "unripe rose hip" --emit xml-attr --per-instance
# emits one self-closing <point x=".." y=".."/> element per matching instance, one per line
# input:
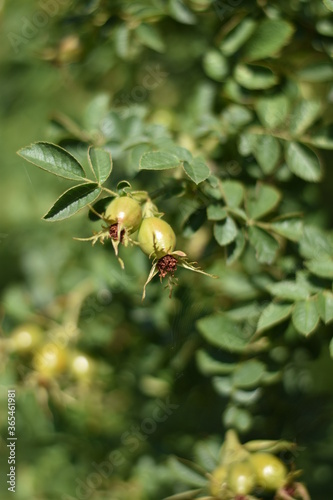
<point x="242" y="477"/>
<point x="124" y="212"/>
<point x="271" y="471"/>
<point x="156" y="237"/>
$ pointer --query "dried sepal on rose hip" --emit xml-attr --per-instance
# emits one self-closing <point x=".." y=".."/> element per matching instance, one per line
<point x="157" y="240"/>
<point x="123" y="217"/>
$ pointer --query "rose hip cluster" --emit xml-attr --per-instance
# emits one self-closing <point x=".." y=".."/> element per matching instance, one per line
<point x="129" y="222"/>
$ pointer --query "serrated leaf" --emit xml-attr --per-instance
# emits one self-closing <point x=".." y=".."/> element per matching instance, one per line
<point x="225" y="232"/>
<point x="266" y="247"/>
<point x="292" y="229"/>
<point x="73" y="200"/>
<point x="262" y="200"/>
<point x="272" y="111"/>
<point x="197" y="170"/>
<point x="288" y="290"/>
<point x="322" y="267"/>
<point x="325" y="305"/>
<point x="53" y="159"/>
<point x="158" y="160"/>
<point x="305" y="316"/>
<point x="233" y="192"/>
<point x="273" y="314"/>
<point x="266" y="150"/>
<point x="216" y="211"/>
<point x="210" y="366"/>
<point x="238" y="36"/>
<point x="255" y="77"/>
<point x="303" y="162"/>
<point x="101" y="163"/>
<point x="216" y="65"/>
<point x="269" y="37"/>
<point x="304" y="114"/>
<point x="248" y="374"/>
<point x="222" y="332"/>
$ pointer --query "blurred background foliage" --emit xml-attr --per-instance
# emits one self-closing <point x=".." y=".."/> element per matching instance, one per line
<point x="234" y="82"/>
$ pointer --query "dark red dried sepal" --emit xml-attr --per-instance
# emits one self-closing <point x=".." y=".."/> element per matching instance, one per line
<point x="167" y="265"/>
<point x="114" y="233"/>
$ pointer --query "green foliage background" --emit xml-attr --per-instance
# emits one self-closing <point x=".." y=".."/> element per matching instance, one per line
<point x="246" y="87"/>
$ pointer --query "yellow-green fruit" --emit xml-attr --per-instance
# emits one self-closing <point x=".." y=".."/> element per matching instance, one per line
<point x="270" y="470"/>
<point x="218" y="480"/>
<point x="50" y="360"/>
<point x="124" y="211"/>
<point x="25" y="338"/>
<point x="81" y="367"/>
<point x="156" y="237"/>
<point x="241" y="477"/>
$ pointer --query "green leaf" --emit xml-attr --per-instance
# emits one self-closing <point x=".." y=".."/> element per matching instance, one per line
<point x="272" y="315"/>
<point x="207" y="453"/>
<point x="210" y="366"/>
<point x="101" y="163"/>
<point x="181" y="13"/>
<point x="288" y="290"/>
<point x="267" y="151"/>
<point x="238" y="36"/>
<point x="237" y="250"/>
<point x="216" y="211"/>
<point x="316" y="243"/>
<point x="292" y="229"/>
<point x="182" y="154"/>
<point x="197" y="170"/>
<point x="328" y="4"/>
<point x="255" y="77"/>
<point x="269" y="37"/>
<point x="222" y="332"/>
<point x="305" y="316"/>
<point x="150" y="36"/>
<point x="316" y="72"/>
<point x="237" y="418"/>
<point x="158" y="160"/>
<point x="322" y="138"/>
<point x="325" y="305"/>
<point x="72" y="201"/>
<point x="225" y="232"/>
<point x="265" y="245"/>
<point x="303" y="162"/>
<point x="304" y="114"/>
<point x="53" y="159"/>
<point x="233" y="192"/>
<point x="322" y="267"/>
<point x="216" y="65"/>
<point x="273" y="111"/>
<point x="184" y="474"/>
<point x="262" y="200"/>
<point x="248" y="374"/>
